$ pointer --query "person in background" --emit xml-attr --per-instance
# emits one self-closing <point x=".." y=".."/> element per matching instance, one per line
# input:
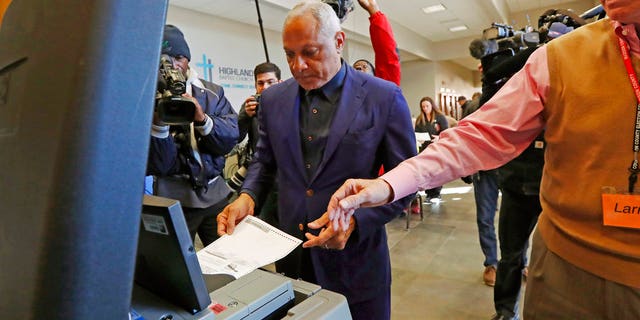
<point x="448" y="114"/>
<point x="265" y="75"/>
<point x="326" y="124"/>
<point x="519" y="181"/>
<point x="463" y="103"/>
<point x="585" y="253"/>
<point x="432" y="121"/>
<point x="470" y="106"/>
<point x="187" y="160"/>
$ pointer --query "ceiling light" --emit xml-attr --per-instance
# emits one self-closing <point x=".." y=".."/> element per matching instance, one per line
<point x="458" y="28"/>
<point x="436" y="8"/>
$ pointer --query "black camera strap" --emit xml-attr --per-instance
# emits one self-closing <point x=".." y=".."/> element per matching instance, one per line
<point x="633" y="78"/>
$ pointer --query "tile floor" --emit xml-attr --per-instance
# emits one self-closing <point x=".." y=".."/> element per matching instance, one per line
<point x="437" y="263"/>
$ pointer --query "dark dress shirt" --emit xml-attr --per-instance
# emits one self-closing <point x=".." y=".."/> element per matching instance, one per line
<point x="317" y="108"/>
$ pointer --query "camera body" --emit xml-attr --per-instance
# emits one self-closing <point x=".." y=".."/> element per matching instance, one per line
<point x="243" y="153"/>
<point x="236" y="180"/>
<point x="506" y="38"/>
<point x="497" y="31"/>
<point x="171" y="106"/>
<point x="341" y="7"/>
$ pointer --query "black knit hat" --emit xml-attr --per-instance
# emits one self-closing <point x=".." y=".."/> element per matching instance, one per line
<point x="173" y="42"/>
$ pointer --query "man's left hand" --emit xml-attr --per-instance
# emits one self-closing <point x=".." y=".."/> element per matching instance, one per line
<point x="199" y="116"/>
<point x="328" y="238"/>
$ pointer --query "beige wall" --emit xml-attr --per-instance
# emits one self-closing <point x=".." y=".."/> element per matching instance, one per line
<point x="519" y="20"/>
<point x="426" y="78"/>
<point x="418" y="80"/>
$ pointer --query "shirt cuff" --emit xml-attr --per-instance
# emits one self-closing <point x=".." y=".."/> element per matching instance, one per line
<point x="376" y="15"/>
<point x="207" y="127"/>
<point x="161" y="132"/>
<point x="402" y="181"/>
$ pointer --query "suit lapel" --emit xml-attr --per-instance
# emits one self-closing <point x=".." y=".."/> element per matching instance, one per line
<point x="290" y="114"/>
<point x="349" y="105"/>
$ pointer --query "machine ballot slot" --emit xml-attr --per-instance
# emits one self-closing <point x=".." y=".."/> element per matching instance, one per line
<point x="257" y="295"/>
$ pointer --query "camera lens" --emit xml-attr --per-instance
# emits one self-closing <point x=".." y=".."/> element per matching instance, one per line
<point x="237" y="179"/>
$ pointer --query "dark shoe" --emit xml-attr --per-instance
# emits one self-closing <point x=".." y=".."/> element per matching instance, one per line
<point x="489" y="276"/>
<point x="505" y="315"/>
<point x="498" y="316"/>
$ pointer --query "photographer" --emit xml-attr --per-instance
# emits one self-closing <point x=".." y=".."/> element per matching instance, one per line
<point x="519" y="179"/>
<point x="186" y="160"/>
<point x="519" y="183"/>
<point x="502" y="53"/>
<point x="265" y="75"/>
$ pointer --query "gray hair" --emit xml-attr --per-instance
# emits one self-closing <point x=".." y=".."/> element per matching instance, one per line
<point x="327" y="19"/>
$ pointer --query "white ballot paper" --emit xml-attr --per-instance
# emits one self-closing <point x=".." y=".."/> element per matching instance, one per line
<point x="253" y="244"/>
<point x="422" y="136"/>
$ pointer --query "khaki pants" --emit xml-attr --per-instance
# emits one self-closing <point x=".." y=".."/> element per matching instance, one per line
<point x="557" y="289"/>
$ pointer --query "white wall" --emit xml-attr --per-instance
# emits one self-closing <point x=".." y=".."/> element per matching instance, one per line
<point x="236" y="48"/>
<point x="233" y="48"/>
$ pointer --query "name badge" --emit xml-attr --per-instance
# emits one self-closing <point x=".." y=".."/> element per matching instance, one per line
<point x="621" y="210"/>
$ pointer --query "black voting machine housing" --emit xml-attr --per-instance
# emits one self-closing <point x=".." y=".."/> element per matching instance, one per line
<point x="77" y="85"/>
<point x="166" y="262"/>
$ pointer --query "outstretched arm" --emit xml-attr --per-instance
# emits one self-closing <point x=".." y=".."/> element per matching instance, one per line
<point x="387" y="59"/>
<point x="354" y="194"/>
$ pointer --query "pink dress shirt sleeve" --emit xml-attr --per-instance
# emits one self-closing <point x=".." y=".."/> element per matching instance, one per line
<point x="490" y="137"/>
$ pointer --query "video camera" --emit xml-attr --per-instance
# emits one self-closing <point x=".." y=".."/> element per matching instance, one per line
<point x="507" y="38"/>
<point x="171" y="106"/>
<point x="341" y="7"/>
<point x="555" y="22"/>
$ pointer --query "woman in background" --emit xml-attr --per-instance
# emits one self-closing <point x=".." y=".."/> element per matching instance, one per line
<point x="430" y="120"/>
<point x="433" y="121"/>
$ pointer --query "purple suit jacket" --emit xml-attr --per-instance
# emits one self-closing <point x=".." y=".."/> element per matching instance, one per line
<point x="371" y="127"/>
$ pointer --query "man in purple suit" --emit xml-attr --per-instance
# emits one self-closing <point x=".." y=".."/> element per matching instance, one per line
<point x="328" y="123"/>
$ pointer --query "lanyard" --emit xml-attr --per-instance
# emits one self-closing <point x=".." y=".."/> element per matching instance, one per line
<point x="633" y="78"/>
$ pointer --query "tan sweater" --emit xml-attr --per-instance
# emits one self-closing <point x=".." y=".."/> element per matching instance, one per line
<point x="590" y="112"/>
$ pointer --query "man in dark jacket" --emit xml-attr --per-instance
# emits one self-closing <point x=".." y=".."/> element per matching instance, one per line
<point x="187" y="160"/>
<point x="265" y="75"/>
<point x="326" y="124"/>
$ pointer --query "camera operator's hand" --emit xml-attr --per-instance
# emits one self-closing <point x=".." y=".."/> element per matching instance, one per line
<point x="370" y="5"/>
<point x="156" y="119"/>
<point x="251" y="106"/>
<point x="200" y="116"/>
<point x="234" y="213"/>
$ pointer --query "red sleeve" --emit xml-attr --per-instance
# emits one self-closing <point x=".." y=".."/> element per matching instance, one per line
<point x="387" y="61"/>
